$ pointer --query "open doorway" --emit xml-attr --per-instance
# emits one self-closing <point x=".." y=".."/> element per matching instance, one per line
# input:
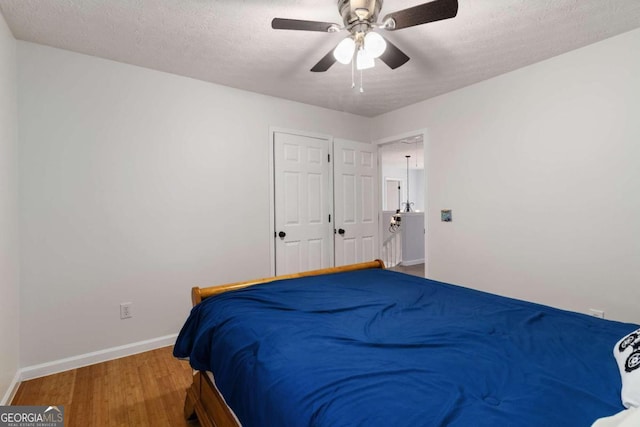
<point x="403" y="204"/>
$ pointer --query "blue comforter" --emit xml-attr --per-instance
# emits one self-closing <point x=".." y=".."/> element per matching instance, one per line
<point x="379" y="348"/>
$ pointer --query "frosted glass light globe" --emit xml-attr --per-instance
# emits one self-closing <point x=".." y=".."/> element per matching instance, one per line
<point x="374" y="44"/>
<point x="364" y="60"/>
<point x="344" y="51"/>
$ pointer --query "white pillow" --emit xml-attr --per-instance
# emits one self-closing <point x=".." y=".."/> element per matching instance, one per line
<point x="627" y="354"/>
<point x="627" y="418"/>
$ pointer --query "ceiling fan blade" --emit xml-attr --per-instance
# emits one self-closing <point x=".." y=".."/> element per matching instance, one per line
<point x="428" y="12"/>
<point x="325" y="63"/>
<point x="297" y="24"/>
<point x="393" y="56"/>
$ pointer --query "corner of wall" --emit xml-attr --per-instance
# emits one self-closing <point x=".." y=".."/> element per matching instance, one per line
<point x="9" y="217"/>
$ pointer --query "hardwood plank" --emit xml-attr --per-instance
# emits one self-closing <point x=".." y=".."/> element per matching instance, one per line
<point x="146" y="389"/>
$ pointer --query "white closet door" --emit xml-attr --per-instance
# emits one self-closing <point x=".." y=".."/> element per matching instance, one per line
<point x="355" y="201"/>
<point x="302" y="187"/>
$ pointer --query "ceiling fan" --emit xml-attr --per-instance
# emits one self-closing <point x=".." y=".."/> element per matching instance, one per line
<point x="363" y="44"/>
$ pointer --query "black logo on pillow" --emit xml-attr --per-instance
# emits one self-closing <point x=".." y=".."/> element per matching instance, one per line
<point x="633" y="361"/>
<point x="630" y="340"/>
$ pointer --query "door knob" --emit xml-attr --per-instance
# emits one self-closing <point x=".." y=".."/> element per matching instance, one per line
<point x="282" y="234"/>
<point x="341" y="231"/>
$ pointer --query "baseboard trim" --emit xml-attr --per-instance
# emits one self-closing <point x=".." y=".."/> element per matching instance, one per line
<point x="11" y="391"/>
<point x="412" y="262"/>
<point x="56" y="366"/>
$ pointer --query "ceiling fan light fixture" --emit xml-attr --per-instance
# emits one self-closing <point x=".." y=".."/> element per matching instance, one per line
<point x="364" y="60"/>
<point x="374" y="44"/>
<point x="344" y="51"/>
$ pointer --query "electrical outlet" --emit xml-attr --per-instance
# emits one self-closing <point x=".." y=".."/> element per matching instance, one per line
<point x="125" y="310"/>
<point x="596" y="313"/>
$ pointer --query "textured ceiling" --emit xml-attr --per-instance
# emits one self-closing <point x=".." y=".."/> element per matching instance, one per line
<point x="231" y="42"/>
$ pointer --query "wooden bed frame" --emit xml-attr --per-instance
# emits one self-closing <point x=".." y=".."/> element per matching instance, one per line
<point x="203" y="399"/>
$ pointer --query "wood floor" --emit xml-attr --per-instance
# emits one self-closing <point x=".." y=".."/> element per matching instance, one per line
<point x="414" y="270"/>
<point x="146" y="389"/>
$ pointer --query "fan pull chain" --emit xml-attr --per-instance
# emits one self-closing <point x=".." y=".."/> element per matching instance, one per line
<point x="353" y="74"/>
<point x="361" y="88"/>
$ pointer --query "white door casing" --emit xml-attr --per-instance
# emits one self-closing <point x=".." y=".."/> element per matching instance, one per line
<point x="425" y="137"/>
<point x="355" y="174"/>
<point x="302" y="194"/>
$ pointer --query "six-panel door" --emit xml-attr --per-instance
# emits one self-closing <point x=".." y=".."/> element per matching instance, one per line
<point x="355" y="201"/>
<point x="325" y="212"/>
<point x="304" y="234"/>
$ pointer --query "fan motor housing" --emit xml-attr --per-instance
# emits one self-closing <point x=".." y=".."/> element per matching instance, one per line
<point x="353" y="11"/>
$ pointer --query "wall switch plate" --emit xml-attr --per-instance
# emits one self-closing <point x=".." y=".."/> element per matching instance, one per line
<point x="596" y="313"/>
<point x="125" y="310"/>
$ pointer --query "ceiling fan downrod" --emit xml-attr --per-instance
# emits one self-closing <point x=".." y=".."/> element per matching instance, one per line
<point x="358" y="12"/>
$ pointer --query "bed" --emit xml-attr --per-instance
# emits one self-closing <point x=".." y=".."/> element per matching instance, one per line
<point x="361" y="345"/>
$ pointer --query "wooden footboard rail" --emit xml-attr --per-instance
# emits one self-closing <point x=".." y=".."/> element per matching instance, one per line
<point x="203" y="399"/>
<point x="198" y="294"/>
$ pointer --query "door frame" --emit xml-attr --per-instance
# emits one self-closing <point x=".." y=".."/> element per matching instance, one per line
<point x="272" y="211"/>
<point x="425" y="138"/>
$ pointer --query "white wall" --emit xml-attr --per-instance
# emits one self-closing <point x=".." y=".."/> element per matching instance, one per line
<point x="416" y="189"/>
<point x="9" y="253"/>
<point x="541" y="167"/>
<point x="135" y="186"/>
